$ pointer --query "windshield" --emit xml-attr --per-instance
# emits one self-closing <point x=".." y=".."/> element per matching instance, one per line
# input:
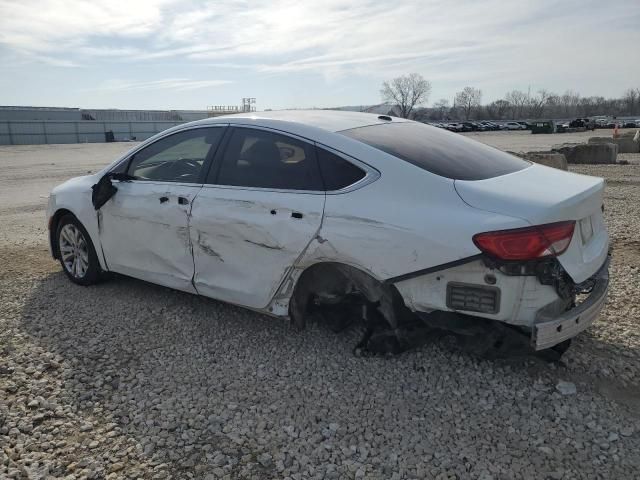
<point x="444" y="153"/>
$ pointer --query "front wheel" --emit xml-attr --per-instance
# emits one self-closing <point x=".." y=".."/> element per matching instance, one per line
<point x="76" y="252"/>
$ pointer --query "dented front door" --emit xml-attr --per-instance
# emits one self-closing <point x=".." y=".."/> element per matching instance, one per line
<point x="144" y="232"/>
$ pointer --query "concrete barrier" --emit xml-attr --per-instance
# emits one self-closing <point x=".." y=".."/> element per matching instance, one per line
<point x="550" y="159"/>
<point x="630" y="134"/>
<point x="590" y="153"/>
<point x="626" y="144"/>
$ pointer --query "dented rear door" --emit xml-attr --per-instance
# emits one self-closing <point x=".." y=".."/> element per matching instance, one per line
<point x="245" y="242"/>
<point x="260" y="208"/>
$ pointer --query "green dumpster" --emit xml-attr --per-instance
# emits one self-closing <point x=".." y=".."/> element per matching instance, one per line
<point x="543" y="127"/>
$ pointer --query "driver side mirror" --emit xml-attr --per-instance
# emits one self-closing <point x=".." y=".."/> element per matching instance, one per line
<point x="103" y="191"/>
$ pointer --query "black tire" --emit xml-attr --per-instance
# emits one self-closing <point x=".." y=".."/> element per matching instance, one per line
<point x="82" y="276"/>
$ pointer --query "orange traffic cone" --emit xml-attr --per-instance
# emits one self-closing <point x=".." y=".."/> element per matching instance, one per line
<point x="615" y="130"/>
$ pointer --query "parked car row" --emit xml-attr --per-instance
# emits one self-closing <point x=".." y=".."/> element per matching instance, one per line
<point x="577" y="124"/>
<point x="482" y="126"/>
<point x="612" y="123"/>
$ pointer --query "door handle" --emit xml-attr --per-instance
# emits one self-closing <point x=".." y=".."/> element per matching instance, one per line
<point x="164" y="199"/>
<point x="296" y="214"/>
<point x="183" y="200"/>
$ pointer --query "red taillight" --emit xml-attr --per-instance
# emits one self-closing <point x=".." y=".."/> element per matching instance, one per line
<point x="527" y="243"/>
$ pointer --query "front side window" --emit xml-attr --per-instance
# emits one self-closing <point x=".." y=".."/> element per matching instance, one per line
<point x="257" y="158"/>
<point x="176" y="158"/>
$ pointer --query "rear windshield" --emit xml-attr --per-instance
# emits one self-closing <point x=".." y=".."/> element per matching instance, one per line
<point x="438" y="151"/>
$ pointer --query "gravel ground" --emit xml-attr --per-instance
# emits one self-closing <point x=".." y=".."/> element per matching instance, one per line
<point x="130" y="380"/>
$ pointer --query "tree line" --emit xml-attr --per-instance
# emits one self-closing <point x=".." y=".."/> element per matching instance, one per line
<point x="411" y="92"/>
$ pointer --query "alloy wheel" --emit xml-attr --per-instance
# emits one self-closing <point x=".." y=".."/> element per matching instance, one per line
<point x="74" y="250"/>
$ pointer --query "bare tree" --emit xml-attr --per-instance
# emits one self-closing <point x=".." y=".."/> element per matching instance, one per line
<point x="600" y="105"/>
<point x="468" y="99"/>
<point x="407" y="92"/>
<point x="497" y="109"/>
<point x="631" y="100"/>
<point x="442" y="108"/>
<point x="421" y="114"/>
<point x="590" y="106"/>
<point x="518" y="101"/>
<point x="569" y="101"/>
<point x="518" y="104"/>
<point x="538" y="103"/>
<point x="553" y="103"/>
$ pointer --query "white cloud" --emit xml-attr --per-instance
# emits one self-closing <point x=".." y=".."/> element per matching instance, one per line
<point x="106" y="52"/>
<point x="116" y="85"/>
<point x="57" y="25"/>
<point x="54" y="61"/>
<point x="262" y="31"/>
<point x="462" y="42"/>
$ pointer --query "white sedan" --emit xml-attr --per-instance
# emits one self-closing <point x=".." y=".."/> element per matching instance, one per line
<point x="514" y="126"/>
<point x="318" y="213"/>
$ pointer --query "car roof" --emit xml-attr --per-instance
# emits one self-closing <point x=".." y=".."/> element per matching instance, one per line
<point x="330" y="120"/>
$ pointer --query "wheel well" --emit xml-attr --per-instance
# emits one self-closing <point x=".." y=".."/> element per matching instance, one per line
<point x="53" y="228"/>
<point x="338" y="280"/>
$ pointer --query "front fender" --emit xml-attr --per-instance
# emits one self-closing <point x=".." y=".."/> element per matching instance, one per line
<point x="74" y="197"/>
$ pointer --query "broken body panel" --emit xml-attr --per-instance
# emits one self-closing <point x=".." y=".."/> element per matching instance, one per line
<point x="245" y="242"/>
<point x="74" y="196"/>
<point x="144" y="232"/>
<point x="542" y="195"/>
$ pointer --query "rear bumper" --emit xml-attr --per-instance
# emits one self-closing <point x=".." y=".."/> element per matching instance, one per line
<point x="549" y="331"/>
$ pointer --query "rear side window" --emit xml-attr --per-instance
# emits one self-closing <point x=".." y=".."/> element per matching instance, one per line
<point x="337" y="173"/>
<point x="433" y="149"/>
<point x="257" y="158"/>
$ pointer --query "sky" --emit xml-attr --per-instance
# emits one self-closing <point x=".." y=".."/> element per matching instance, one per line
<point x="189" y="54"/>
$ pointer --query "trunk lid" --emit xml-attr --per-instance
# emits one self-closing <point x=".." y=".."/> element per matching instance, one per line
<point x="540" y="195"/>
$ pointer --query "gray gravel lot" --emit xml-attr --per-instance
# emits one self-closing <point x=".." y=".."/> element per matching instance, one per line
<point x="130" y="380"/>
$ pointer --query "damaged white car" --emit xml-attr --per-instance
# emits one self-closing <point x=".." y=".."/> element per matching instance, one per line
<point x="343" y="215"/>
